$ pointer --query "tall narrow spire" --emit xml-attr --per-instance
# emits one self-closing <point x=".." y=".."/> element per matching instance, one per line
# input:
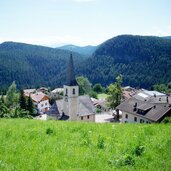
<point x="71" y="81"/>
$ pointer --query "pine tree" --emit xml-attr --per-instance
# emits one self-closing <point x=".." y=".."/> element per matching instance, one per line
<point x="22" y="101"/>
<point x="30" y="106"/>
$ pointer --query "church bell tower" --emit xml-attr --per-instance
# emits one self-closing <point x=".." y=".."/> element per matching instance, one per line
<point x="71" y="93"/>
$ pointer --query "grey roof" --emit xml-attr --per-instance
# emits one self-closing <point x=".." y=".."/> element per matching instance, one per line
<point x="71" y="81"/>
<point x="56" y="108"/>
<point x="85" y="107"/>
<point x="145" y="106"/>
<point x="150" y="109"/>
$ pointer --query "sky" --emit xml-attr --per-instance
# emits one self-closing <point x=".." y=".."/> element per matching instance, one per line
<point x="81" y="22"/>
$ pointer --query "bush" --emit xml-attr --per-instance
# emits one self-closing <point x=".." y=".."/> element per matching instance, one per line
<point x="125" y="160"/>
<point x="49" y="131"/>
<point x="93" y="94"/>
<point x="98" y="110"/>
<point x="100" y="143"/>
<point x="139" y="150"/>
<point x="167" y="120"/>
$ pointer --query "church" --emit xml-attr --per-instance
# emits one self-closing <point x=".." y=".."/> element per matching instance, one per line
<point x="72" y="107"/>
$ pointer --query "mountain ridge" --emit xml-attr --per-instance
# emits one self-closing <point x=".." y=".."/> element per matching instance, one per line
<point x="142" y="60"/>
<point x="84" y="50"/>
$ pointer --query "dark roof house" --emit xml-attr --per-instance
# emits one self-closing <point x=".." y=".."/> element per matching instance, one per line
<point x="153" y="108"/>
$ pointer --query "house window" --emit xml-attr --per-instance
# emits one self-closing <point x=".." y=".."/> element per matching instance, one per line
<point x="73" y="91"/>
<point x="135" y="119"/>
<point x="41" y="105"/>
<point x="66" y="93"/>
<point x="126" y="116"/>
<point x="81" y="117"/>
<point x="88" y="117"/>
<point x="141" y="121"/>
<point x="45" y="104"/>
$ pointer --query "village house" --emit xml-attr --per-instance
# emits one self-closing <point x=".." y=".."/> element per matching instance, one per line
<point x="145" y="107"/>
<point x="72" y="107"/>
<point x="56" y="93"/>
<point x="40" y="100"/>
<point x="27" y="92"/>
<point x="101" y="104"/>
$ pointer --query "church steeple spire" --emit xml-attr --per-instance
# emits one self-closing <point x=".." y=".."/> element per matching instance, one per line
<point x="71" y="81"/>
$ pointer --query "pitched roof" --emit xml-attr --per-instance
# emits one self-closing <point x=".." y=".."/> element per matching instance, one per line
<point x="149" y="109"/>
<point x="85" y="107"/>
<point x="56" y="109"/>
<point x="37" y="97"/>
<point x="27" y="92"/>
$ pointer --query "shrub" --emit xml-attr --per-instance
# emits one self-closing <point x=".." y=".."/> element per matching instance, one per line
<point x="49" y="131"/>
<point x="139" y="150"/>
<point x="93" y="94"/>
<point x="98" y="110"/>
<point x="86" y="138"/>
<point x="100" y="142"/>
<point x="124" y="160"/>
<point x="167" y="120"/>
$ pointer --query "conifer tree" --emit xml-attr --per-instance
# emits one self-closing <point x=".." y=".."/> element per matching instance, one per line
<point x="22" y="100"/>
<point x="30" y="106"/>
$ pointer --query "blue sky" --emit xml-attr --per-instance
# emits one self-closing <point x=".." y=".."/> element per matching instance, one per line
<point x="81" y="22"/>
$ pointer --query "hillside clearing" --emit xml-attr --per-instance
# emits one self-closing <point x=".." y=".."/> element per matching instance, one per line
<point x="102" y="96"/>
<point x="54" y="145"/>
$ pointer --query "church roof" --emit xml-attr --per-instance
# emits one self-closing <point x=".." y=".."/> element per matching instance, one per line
<point x="71" y="81"/>
<point x="85" y="107"/>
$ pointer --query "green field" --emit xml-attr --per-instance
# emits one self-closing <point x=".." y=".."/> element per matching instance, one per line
<point x="102" y="96"/>
<point x="54" y="145"/>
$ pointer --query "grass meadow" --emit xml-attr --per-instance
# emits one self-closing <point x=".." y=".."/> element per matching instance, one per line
<point x="28" y="145"/>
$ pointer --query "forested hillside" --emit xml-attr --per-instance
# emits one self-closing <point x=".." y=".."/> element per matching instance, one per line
<point x="31" y="65"/>
<point x="142" y="60"/>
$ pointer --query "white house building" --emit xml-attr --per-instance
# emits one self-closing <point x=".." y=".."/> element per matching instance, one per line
<point x="41" y="101"/>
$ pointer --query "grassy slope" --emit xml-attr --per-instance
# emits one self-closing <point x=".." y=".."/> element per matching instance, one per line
<point x="25" y="145"/>
<point x="102" y="96"/>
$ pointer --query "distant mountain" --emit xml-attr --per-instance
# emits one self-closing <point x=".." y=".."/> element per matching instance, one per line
<point x="167" y="37"/>
<point x="85" y="50"/>
<point x="142" y="60"/>
<point x="32" y="65"/>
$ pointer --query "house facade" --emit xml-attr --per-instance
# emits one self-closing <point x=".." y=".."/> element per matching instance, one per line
<point x="40" y="100"/>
